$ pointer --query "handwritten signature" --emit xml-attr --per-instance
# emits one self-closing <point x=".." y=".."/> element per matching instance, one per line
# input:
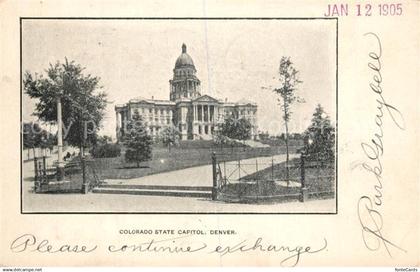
<point x="289" y="255"/>
<point x="368" y="208"/>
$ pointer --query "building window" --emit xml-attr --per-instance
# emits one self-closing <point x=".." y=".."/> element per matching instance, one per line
<point x="199" y="129"/>
<point x="150" y="110"/>
<point x="206" y="129"/>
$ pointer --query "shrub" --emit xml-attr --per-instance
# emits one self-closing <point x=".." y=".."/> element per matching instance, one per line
<point x="137" y="141"/>
<point x="320" y="137"/>
<point x="106" y="151"/>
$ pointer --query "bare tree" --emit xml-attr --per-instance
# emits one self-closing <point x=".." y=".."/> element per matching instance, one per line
<point x="288" y="78"/>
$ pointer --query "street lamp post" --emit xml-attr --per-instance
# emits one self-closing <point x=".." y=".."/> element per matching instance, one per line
<point x="60" y="164"/>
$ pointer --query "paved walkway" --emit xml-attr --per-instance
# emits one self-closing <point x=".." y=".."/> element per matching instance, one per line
<point x="202" y="175"/>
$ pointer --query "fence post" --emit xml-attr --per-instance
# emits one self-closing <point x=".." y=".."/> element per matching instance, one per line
<point x="224" y="172"/>
<point x="239" y="170"/>
<point x="272" y="168"/>
<point x="214" y="188"/>
<point x="37" y="185"/>
<point x="44" y="169"/>
<point x="85" y="185"/>
<point x="303" y="189"/>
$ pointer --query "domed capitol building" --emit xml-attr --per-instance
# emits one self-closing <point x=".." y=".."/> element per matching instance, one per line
<point x="196" y="116"/>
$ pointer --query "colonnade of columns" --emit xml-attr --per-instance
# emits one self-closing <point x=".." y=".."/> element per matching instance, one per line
<point x="204" y="120"/>
<point x="204" y="113"/>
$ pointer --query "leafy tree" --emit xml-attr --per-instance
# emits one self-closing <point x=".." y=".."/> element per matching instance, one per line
<point x="83" y="108"/>
<point x="102" y="140"/>
<point x="51" y="141"/>
<point x="264" y="136"/>
<point x="288" y="77"/>
<point x="137" y="141"/>
<point x="36" y="137"/>
<point x="31" y="136"/>
<point x="320" y="137"/>
<point x="234" y="128"/>
<point x="47" y="140"/>
<point x="243" y="131"/>
<point x="220" y="139"/>
<point x="169" y="136"/>
<point x="106" y="150"/>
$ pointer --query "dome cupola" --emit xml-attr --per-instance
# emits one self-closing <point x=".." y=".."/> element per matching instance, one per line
<point x="184" y="60"/>
<point x="184" y="83"/>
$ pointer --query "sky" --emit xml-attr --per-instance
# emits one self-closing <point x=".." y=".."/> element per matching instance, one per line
<point x="235" y="59"/>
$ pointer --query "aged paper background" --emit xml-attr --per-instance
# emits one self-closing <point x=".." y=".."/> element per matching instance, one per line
<point x="357" y="109"/>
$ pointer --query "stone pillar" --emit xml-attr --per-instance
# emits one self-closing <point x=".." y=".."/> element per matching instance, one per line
<point x="123" y="125"/>
<point x="60" y="163"/>
<point x="184" y="135"/>
<point x="117" y="119"/>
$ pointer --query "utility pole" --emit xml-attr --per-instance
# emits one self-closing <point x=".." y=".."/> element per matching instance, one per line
<point x="60" y="165"/>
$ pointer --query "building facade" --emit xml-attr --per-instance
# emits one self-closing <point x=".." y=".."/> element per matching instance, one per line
<point x="195" y="116"/>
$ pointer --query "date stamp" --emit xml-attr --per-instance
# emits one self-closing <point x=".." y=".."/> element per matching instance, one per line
<point x="365" y="10"/>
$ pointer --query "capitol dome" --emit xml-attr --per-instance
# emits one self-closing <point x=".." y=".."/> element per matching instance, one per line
<point x="184" y="60"/>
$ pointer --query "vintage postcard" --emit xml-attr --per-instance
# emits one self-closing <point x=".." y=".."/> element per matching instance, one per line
<point x="217" y="133"/>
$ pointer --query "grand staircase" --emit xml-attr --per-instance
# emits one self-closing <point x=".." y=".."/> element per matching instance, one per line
<point x="155" y="190"/>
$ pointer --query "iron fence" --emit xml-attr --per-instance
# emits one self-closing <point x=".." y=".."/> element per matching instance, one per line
<point x="271" y="177"/>
<point x="80" y="176"/>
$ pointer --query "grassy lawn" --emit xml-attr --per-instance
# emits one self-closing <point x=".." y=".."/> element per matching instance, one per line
<point x="164" y="160"/>
<point x="318" y="178"/>
<point x="260" y="188"/>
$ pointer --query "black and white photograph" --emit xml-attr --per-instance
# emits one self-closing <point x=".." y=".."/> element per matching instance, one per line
<point x="179" y="115"/>
<point x="209" y="134"/>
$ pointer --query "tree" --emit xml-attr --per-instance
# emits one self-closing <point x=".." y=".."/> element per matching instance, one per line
<point x="234" y="128"/>
<point x="103" y="140"/>
<point x="36" y="137"/>
<point x="169" y="136"/>
<point x="83" y="107"/>
<point x="221" y="140"/>
<point x="288" y="77"/>
<point x="320" y="137"/>
<point x="31" y="136"/>
<point x="263" y="136"/>
<point x="104" y="148"/>
<point x="137" y="141"/>
<point x="47" y="140"/>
